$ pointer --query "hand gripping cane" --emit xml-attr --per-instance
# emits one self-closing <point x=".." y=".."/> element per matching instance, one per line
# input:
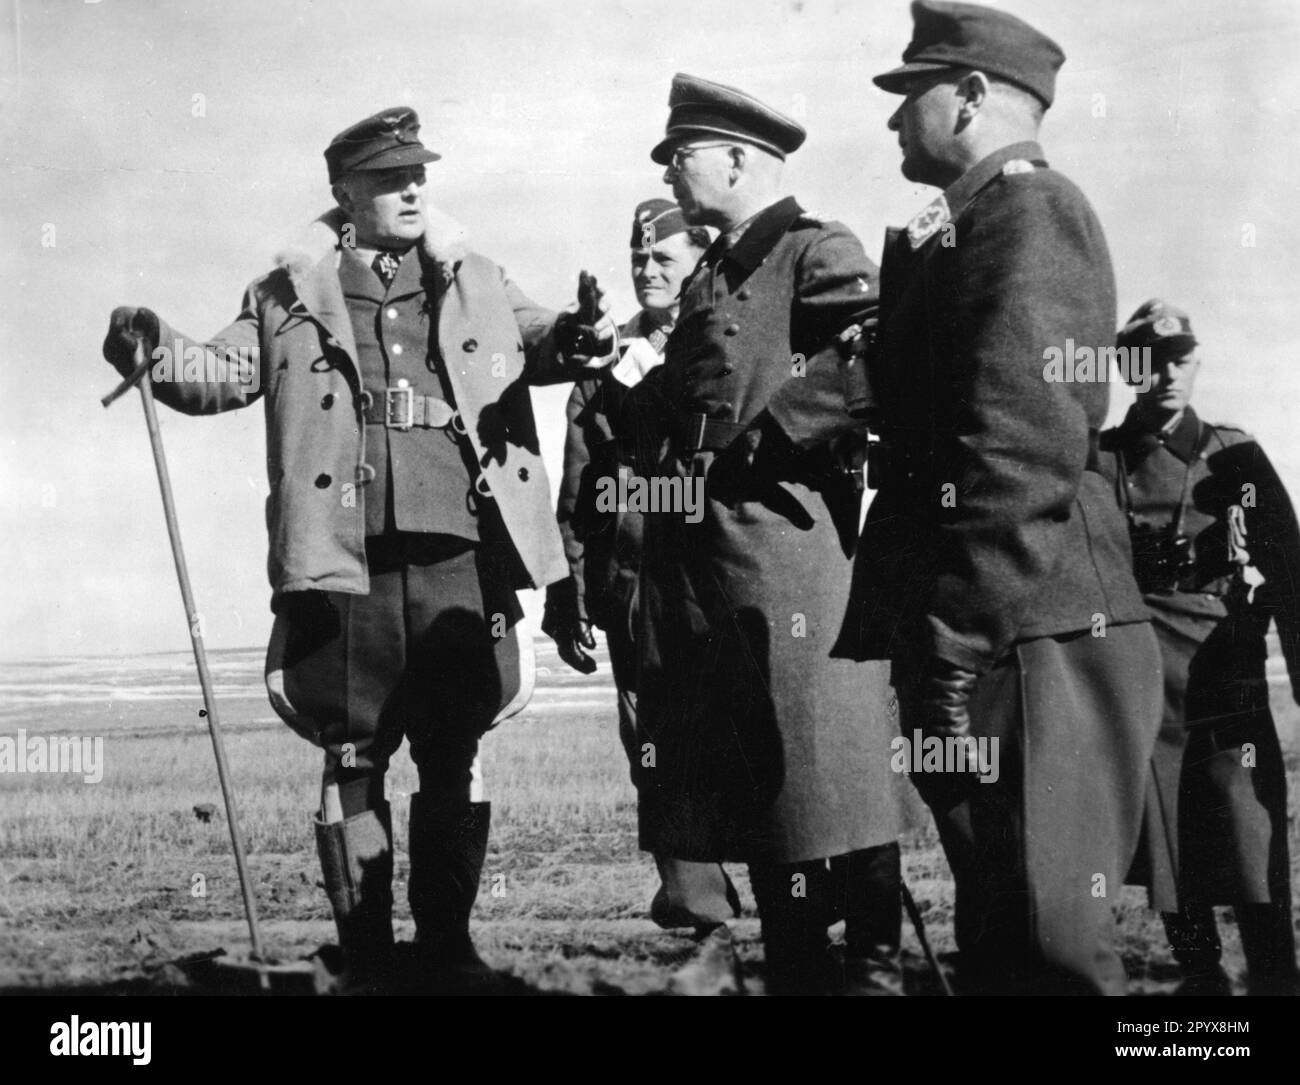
<point x="139" y="377"/>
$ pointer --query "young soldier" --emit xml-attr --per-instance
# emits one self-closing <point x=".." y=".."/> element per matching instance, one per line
<point x="1204" y="506"/>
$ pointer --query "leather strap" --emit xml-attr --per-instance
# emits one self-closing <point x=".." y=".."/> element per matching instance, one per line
<point x="704" y="434"/>
<point x="402" y="408"/>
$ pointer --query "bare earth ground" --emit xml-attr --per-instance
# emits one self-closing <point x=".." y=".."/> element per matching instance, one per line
<point x="97" y="882"/>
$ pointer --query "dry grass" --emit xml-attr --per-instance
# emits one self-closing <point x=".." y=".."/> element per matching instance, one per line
<point x="95" y="882"/>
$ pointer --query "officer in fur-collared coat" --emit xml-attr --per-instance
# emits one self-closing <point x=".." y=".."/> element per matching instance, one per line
<point x="407" y="504"/>
<point x="765" y="750"/>
<point x="994" y="568"/>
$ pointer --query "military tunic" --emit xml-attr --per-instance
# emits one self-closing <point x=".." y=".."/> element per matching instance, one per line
<point x="1216" y="828"/>
<point x="760" y="746"/>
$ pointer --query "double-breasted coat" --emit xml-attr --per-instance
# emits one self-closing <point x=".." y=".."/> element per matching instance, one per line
<point x="1216" y="825"/>
<point x="293" y="328"/>
<point x="757" y="745"/>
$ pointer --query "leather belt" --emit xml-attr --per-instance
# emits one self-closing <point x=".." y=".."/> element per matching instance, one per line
<point x="704" y="434"/>
<point x="402" y="409"/>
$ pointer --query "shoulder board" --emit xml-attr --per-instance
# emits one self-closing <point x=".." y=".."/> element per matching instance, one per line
<point x="1230" y="431"/>
<point x="1017" y="165"/>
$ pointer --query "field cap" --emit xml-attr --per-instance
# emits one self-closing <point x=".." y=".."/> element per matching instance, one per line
<point x="700" y="107"/>
<point x="972" y="36"/>
<point x="655" y="220"/>
<point x="385" y="141"/>
<point x="1160" y="326"/>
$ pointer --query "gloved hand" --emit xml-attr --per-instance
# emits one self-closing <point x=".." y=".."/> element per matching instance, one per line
<point x="127" y="325"/>
<point x="588" y="335"/>
<point x="570" y="640"/>
<point x="941" y="701"/>
<point x="564" y="622"/>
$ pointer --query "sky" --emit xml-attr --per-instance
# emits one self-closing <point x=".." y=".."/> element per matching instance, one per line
<point x="160" y="154"/>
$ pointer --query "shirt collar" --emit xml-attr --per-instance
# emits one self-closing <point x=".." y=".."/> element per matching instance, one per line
<point x="1181" y="440"/>
<point x="757" y="235"/>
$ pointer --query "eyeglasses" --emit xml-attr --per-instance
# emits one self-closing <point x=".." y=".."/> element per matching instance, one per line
<point x="680" y="155"/>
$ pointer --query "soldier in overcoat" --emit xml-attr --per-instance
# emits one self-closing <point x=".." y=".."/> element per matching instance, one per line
<point x="407" y="503"/>
<point x="761" y="748"/>
<point x="602" y="525"/>
<point x="1215" y="548"/>
<point x="994" y="569"/>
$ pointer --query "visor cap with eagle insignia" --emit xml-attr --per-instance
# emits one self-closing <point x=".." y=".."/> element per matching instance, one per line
<point x="699" y="107"/>
<point x="1164" y="328"/>
<point x="385" y="141"/>
<point x="971" y="36"/>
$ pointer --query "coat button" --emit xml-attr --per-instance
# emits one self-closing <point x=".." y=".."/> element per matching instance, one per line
<point x="523" y="474"/>
<point x="323" y="482"/>
<point x="402" y="382"/>
<point x="397" y="348"/>
<point x="722" y="410"/>
<point x="728" y="369"/>
<point x="743" y="293"/>
<point x="365" y="473"/>
<point x="469" y="346"/>
<point x="392" y="312"/>
<point x="327" y="401"/>
<point x="731" y="329"/>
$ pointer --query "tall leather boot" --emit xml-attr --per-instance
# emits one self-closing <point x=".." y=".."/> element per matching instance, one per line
<point x="448" y="847"/>
<point x="1268" y="940"/>
<point x="794" y="909"/>
<point x="356" y="858"/>
<point x="1194" y="938"/>
<point x="869" y="886"/>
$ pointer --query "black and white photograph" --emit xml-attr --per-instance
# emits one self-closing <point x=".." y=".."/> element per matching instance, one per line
<point x="695" y="498"/>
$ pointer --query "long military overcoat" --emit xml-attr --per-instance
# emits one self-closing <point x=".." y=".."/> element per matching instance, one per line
<point x="1215" y="829"/>
<point x="756" y="744"/>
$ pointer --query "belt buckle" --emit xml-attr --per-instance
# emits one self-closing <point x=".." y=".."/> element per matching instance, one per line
<point x="406" y="410"/>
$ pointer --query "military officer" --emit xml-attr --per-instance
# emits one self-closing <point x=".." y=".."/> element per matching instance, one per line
<point x="760" y="747"/>
<point x="1204" y="506"/>
<point x="408" y="502"/>
<point x="603" y="543"/>
<point x="993" y="569"/>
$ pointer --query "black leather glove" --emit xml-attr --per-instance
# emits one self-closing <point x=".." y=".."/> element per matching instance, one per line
<point x="590" y="332"/>
<point x="564" y="622"/>
<point x="126" y="326"/>
<point x="940" y="701"/>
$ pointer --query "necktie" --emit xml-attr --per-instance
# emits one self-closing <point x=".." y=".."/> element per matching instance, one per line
<point x="385" y="266"/>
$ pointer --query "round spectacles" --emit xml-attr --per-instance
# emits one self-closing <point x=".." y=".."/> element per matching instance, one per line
<point x="680" y="155"/>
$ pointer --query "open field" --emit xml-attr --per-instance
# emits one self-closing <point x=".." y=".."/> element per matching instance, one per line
<point x="96" y="879"/>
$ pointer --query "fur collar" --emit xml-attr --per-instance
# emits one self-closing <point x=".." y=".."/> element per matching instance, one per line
<point x="445" y="243"/>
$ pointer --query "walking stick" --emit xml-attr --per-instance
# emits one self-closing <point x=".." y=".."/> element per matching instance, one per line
<point x="914" y="914"/>
<point x="139" y="377"/>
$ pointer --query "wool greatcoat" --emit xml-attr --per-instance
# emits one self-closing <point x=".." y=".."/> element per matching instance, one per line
<point x="1216" y="825"/>
<point x="757" y="745"/>
<point x="994" y="544"/>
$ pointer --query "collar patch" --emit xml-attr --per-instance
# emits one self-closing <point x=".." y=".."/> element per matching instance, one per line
<point x="928" y="222"/>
